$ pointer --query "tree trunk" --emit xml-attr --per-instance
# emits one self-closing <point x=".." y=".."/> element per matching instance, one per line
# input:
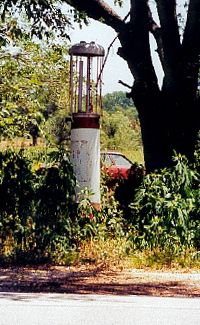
<point x="167" y="127"/>
<point x="169" y="120"/>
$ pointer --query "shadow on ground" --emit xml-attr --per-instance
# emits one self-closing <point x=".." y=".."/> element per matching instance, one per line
<point x="90" y="280"/>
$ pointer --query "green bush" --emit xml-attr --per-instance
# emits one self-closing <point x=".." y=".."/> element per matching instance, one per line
<point x="39" y="218"/>
<point x="54" y="193"/>
<point x="16" y="192"/>
<point x="165" y="212"/>
<point x="103" y="224"/>
<point x="35" y="205"/>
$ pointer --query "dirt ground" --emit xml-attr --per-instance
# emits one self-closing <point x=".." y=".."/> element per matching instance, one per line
<point x="96" y="280"/>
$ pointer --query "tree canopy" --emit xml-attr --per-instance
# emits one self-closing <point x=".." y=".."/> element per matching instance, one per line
<point x="45" y="16"/>
<point x="112" y="101"/>
<point x="33" y="88"/>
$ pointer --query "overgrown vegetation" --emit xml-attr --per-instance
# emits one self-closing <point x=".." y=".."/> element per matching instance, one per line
<point x="166" y="208"/>
<point x="36" y="204"/>
<point x="157" y="225"/>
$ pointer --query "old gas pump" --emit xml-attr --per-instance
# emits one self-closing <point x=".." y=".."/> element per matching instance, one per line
<point x="86" y="61"/>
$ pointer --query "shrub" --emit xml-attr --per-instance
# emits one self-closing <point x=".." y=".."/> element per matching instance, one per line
<point x="54" y="192"/>
<point x="35" y="205"/>
<point x="16" y="194"/>
<point x="126" y="188"/>
<point x="165" y="211"/>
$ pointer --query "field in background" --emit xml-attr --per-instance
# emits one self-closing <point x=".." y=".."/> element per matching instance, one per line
<point x="135" y="155"/>
<point x="20" y="143"/>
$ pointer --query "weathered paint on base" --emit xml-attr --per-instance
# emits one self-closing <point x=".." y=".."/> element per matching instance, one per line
<point x="85" y="158"/>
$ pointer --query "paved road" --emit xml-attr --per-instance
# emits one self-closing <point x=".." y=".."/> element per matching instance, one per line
<point x="67" y="309"/>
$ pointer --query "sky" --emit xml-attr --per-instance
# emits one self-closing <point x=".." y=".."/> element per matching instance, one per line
<point x="115" y="68"/>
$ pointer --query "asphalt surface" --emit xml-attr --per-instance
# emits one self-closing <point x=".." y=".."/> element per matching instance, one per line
<point x="74" y="309"/>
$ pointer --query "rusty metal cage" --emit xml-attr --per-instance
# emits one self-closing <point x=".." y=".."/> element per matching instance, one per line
<point x="86" y="61"/>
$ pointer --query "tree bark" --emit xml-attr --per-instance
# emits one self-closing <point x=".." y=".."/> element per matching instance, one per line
<point x="99" y="10"/>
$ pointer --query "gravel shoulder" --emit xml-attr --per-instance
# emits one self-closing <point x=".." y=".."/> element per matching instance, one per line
<point x="89" y="279"/>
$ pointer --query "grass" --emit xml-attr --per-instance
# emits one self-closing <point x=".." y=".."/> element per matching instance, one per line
<point x="109" y="252"/>
<point x="20" y="143"/>
<point x="135" y="155"/>
<point x="118" y="253"/>
<point x="158" y="259"/>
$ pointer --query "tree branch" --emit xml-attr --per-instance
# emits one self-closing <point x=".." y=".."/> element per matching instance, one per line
<point x="136" y="46"/>
<point x="191" y="39"/>
<point x="124" y="84"/>
<point x="170" y="37"/>
<point x="191" y="45"/>
<point x="155" y="29"/>
<point x="99" y="10"/>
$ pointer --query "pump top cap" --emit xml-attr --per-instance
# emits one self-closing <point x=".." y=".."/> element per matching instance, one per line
<point x="87" y="49"/>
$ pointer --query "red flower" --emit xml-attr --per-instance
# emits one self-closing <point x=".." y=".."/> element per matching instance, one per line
<point x="91" y="216"/>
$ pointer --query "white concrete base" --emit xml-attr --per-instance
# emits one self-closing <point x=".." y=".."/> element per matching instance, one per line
<point x="85" y="158"/>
